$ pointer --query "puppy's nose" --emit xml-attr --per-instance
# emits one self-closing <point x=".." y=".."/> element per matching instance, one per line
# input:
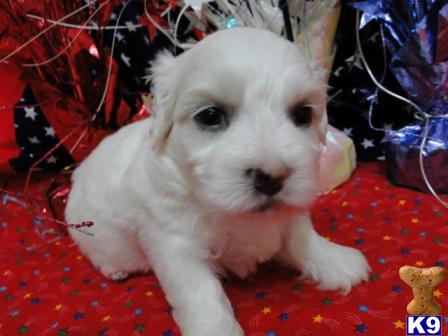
<point x="265" y="183"/>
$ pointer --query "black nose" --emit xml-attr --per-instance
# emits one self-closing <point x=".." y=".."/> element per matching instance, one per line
<point x="265" y="183"/>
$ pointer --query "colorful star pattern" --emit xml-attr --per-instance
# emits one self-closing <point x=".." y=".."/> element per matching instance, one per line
<point x="437" y="293"/>
<point x="46" y="277"/>
<point x="266" y="310"/>
<point x="283" y="316"/>
<point x="360" y="328"/>
<point x="399" y="324"/>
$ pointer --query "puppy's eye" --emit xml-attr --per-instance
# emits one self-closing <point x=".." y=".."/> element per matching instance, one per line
<point x="212" y="118"/>
<point x="301" y="115"/>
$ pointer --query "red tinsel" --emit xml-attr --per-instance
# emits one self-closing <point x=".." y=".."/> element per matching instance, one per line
<point x="69" y="88"/>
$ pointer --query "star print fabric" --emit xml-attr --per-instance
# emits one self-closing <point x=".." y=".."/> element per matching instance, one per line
<point x="47" y="287"/>
<point x="35" y="136"/>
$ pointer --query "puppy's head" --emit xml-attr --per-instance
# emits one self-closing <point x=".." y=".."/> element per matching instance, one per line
<point x="243" y="115"/>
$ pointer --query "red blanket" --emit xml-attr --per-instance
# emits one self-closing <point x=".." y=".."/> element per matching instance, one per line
<point x="48" y="288"/>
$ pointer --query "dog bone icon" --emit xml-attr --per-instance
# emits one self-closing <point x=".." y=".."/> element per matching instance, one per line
<point x="422" y="281"/>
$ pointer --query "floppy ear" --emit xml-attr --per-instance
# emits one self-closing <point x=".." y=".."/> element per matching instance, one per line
<point x="163" y="74"/>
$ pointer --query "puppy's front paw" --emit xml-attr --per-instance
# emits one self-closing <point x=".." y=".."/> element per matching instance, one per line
<point x="223" y="327"/>
<point x="336" y="267"/>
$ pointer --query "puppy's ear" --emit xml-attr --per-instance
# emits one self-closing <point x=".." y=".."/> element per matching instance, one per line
<point x="163" y="75"/>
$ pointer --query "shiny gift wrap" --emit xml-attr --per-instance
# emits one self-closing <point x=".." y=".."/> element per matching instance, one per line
<point x="65" y="86"/>
<point x="416" y="34"/>
<point x="403" y="150"/>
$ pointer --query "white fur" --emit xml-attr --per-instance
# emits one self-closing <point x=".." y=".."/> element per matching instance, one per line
<point x="167" y="196"/>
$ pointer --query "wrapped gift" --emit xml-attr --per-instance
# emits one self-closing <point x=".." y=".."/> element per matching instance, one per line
<point x="416" y="35"/>
<point x="338" y="160"/>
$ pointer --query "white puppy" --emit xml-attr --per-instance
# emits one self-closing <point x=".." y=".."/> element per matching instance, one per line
<point x="219" y="178"/>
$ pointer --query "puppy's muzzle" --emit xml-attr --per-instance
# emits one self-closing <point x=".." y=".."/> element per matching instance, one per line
<point x="264" y="183"/>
